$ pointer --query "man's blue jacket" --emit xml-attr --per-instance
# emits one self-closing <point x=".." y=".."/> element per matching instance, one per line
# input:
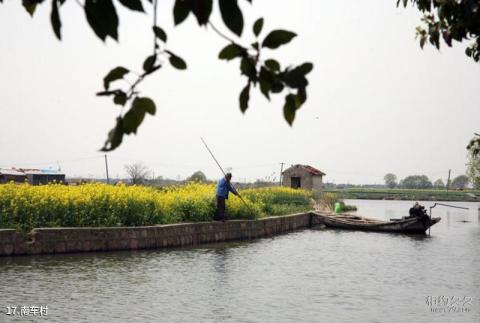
<point x="224" y="187"/>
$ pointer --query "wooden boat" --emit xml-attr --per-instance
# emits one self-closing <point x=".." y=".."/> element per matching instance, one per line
<point x="354" y="222"/>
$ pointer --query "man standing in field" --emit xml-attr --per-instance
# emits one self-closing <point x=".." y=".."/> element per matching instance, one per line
<point x="223" y="189"/>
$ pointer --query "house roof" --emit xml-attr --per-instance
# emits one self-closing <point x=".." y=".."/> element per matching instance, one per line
<point x="310" y="169"/>
<point x="23" y="172"/>
<point x="14" y="172"/>
<point x="41" y="172"/>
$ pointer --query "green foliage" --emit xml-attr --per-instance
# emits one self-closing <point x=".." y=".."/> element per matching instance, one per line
<point x="102" y="18"/>
<point x="416" y="182"/>
<point x="115" y="74"/>
<point x="244" y="98"/>
<point x="198" y="176"/>
<point x="134" y="117"/>
<point x="460" y="182"/>
<point x="474" y="146"/>
<point x="258" y="26"/>
<point x="177" y="61"/>
<point x="30" y="6"/>
<point x="277" y="38"/>
<point x="160" y="33"/>
<point x="55" y="19"/>
<point x="231" y="16"/>
<point x="231" y="51"/>
<point x="279" y="200"/>
<point x="272" y="65"/>
<point x="181" y="10"/>
<point x="329" y="199"/>
<point x="104" y="21"/>
<point x="135" y="5"/>
<point x="390" y="180"/>
<point x="473" y="169"/>
<point x="439" y="184"/>
<point x="451" y="20"/>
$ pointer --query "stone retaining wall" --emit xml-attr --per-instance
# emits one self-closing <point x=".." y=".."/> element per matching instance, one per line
<point x="63" y="240"/>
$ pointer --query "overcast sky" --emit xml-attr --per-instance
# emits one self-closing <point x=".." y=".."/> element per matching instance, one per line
<point x="377" y="102"/>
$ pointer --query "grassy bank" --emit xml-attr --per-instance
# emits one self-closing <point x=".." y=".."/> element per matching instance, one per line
<point x="25" y="207"/>
<point x="408" y="194"/>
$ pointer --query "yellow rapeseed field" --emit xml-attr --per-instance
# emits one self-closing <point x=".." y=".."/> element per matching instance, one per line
<point x="25" y="207"/>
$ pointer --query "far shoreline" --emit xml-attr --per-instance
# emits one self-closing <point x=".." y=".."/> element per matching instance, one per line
<point x="407" y="195"/>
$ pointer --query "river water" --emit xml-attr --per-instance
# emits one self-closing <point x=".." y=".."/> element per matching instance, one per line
<point x="306" y="276"/>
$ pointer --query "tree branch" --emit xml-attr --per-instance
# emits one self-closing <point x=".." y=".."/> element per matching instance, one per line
<point x="220" y="33"/>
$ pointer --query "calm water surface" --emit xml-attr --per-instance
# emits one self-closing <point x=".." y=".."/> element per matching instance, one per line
<point x="306" y="276"/>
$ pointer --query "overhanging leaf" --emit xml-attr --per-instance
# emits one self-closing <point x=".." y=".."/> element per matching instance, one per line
<point x="266" y="79"/>
<point x="277" y="87"/>
<point x="230" y="52"/>
<point x="135" y="5"/>
<point x="115" y="136"/>
<point x="306" y="68"/>
<point x="144" y="104"/>
<point x="277" y="38"/>
<point x="244" y="98"/>
<point x="132" y="119"/>
<point x="247" y="67"/>
<point x="272" y="65"/>
<point x="291" y="105"/>
<point x="30" y="6"/>
<point x="232" y="15"/>
<point x="115" y="74"/>
<point x="160" y="33"/>
<point x="102" y="18"/>
<point x="55" y="19"/>
<point x="202" y="10"/>
<point x="257" y="26"/>
<point x="176" y="61"/>
<point x="181" y="10"/>
<point x="295" y="78"/>
<point x="302" y="95"/>
<point x="120" y="98"/>
<point x="149" y="62"/>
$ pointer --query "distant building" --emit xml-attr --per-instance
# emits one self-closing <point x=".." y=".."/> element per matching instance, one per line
<point x="43" y="176"/>
<point x="303" y="176"/>
<point x="33" y="176"/>
<point x="12" y="175"/>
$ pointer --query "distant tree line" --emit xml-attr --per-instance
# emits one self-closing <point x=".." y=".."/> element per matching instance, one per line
<point x="140" y="174"/>
<point x="423" y="182"/>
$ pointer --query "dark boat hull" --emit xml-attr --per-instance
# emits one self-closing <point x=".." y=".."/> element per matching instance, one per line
<point x="348" y="222"/>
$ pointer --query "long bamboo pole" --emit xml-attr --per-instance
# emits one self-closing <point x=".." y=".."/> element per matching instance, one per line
<point x="224" y="174"/>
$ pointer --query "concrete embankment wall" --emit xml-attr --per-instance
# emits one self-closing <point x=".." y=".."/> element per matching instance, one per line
<point x="65" y="240"/>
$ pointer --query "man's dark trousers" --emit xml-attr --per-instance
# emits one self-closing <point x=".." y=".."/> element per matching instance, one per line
<point x="220" y="212"/>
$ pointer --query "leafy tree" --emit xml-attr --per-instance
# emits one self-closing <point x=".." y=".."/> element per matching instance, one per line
<point x="438" y="184"/>
<point x="460" y="182"/>
<point x="390" y="180"/>
<point x="473" y="169"/>
<point x="416" y="182"/>
<point x="137" y="172"/>
<point x="451" y="20"/>
<point x="198" y="176"/>
<point x="474" y="147"/>
<point x="265" y="72"/>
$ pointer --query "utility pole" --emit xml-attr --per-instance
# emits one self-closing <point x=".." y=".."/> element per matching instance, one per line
<point x="448" y="180"/>
<point x="281" y="170"/>
<point x="106" y="168"/>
